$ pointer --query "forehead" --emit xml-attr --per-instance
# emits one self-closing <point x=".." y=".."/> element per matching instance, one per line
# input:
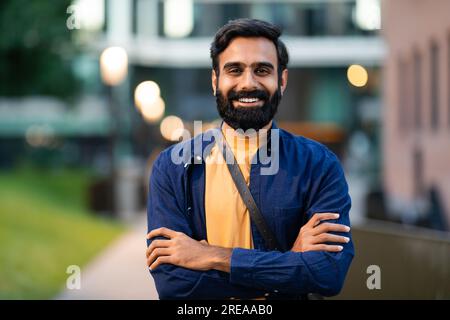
<point x="249" y="51"/>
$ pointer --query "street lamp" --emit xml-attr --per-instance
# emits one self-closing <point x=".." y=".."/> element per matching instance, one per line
<point x="113" y="70"/>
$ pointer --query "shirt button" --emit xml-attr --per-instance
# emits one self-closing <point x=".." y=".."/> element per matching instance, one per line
<point x="266" y="294"/>
<point x="276" y="291"/>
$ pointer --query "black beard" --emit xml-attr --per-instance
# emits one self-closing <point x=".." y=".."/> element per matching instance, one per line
<point x="248" y="117"/>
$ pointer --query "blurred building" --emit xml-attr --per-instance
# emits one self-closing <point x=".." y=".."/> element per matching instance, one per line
<point x="167" y="41"/>
<point x="417" y="110"/>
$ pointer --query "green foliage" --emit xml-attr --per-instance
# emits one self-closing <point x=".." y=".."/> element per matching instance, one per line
<point x="36" y="49"/>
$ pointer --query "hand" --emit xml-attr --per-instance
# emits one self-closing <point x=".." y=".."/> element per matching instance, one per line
<point x="183" y="251"/>
<point x="313" y="235"/>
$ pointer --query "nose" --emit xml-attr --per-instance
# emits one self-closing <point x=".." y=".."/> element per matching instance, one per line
<point x="248" y="81"/>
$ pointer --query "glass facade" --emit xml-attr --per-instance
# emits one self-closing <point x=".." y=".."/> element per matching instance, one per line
<point x="297" y="19"/>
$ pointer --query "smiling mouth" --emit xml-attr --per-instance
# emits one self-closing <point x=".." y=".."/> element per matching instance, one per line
<point x="248" y="102"/>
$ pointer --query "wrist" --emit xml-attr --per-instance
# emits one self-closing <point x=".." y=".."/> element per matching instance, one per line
<point x="221" y="258"/>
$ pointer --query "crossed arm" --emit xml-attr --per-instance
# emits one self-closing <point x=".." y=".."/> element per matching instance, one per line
<point x="181" y="250"/>
<point x="183" y="267"/>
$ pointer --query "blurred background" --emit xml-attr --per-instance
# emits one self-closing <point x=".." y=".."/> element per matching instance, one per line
<point x="92" y="90"/>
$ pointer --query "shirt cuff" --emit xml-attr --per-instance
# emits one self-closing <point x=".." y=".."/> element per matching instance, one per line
<point x="242" y="264"/>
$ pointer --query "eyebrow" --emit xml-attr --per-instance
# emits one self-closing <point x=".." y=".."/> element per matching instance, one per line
<point x="266" y="64"/>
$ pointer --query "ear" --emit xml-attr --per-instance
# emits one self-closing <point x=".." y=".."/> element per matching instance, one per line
<point x="214" y="81"/>
<point x="284" y="80"/>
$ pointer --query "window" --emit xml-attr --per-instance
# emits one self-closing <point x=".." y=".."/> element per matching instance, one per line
<point x="448" y="78"/>
<point x="418" y="167"/>
<point x="402" y="92"/>
<point x="434" y="86"/>
<point x="417" y="90"/>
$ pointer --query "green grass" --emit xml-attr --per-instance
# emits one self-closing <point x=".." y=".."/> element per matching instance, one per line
<point x="44" y="228"/>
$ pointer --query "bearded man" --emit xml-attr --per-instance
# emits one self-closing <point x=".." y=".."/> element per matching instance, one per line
<point x="222" y="230"/>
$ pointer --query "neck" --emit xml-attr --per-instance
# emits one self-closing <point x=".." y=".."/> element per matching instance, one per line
<point x="226" y="126"/>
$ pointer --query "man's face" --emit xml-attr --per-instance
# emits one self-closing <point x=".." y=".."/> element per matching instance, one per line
<point x="247" y="88"/>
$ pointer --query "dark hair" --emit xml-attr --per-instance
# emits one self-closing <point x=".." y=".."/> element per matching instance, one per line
<point x="248" y="28"/>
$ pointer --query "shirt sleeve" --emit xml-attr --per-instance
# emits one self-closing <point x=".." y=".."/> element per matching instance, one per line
<point x="304" y="272"/>
<point x="165" y="209"/>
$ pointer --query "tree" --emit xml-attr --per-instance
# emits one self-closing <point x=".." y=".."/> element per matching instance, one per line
<point x="36" y="49"/>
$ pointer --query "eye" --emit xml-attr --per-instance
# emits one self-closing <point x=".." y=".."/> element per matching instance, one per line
<point x="234" y="70"/>
<point x="262" y="71"/>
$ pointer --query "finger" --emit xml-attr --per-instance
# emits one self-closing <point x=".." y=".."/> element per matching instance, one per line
<point x="327" y="216"/>
<point x="204" y="241"/>
<point x="158" y="252"/>
<point x="157" y="244"/>
<point x="318" y="217"/>
<point x="325" y="247"/>
<point x="328" y="237"/>
<point x="159" y="261"/>
<point x="327" y="227"/>
<point x="164" y="232"/>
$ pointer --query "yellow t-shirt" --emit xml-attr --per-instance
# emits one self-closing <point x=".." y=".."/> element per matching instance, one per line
<point x="227" y="217"/>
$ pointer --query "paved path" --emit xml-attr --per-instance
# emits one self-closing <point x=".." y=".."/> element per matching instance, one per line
<point x="119" y="272"/>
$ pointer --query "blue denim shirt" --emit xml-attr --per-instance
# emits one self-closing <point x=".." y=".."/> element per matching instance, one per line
<point x="309" y="180"/>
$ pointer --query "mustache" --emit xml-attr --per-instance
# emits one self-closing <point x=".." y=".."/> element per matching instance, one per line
<point x="259" y="94"/>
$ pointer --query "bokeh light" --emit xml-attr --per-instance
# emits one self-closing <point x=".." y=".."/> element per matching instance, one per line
<point x="153" y="112"/>
<point x="172" y="128"/>
<point x="39" y="136"/>
<point x="146" y="94"/>
<point x="113" y="65"/>
<point x="357" y="75"/>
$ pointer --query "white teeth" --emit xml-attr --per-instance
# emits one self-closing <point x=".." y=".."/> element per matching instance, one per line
<point x="248" y="100"/>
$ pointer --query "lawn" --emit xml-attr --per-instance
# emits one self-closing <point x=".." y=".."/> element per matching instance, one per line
<point x="45" y="226"/>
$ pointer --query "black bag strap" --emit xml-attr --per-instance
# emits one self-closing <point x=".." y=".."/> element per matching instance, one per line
<point x="241" y="185"/>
